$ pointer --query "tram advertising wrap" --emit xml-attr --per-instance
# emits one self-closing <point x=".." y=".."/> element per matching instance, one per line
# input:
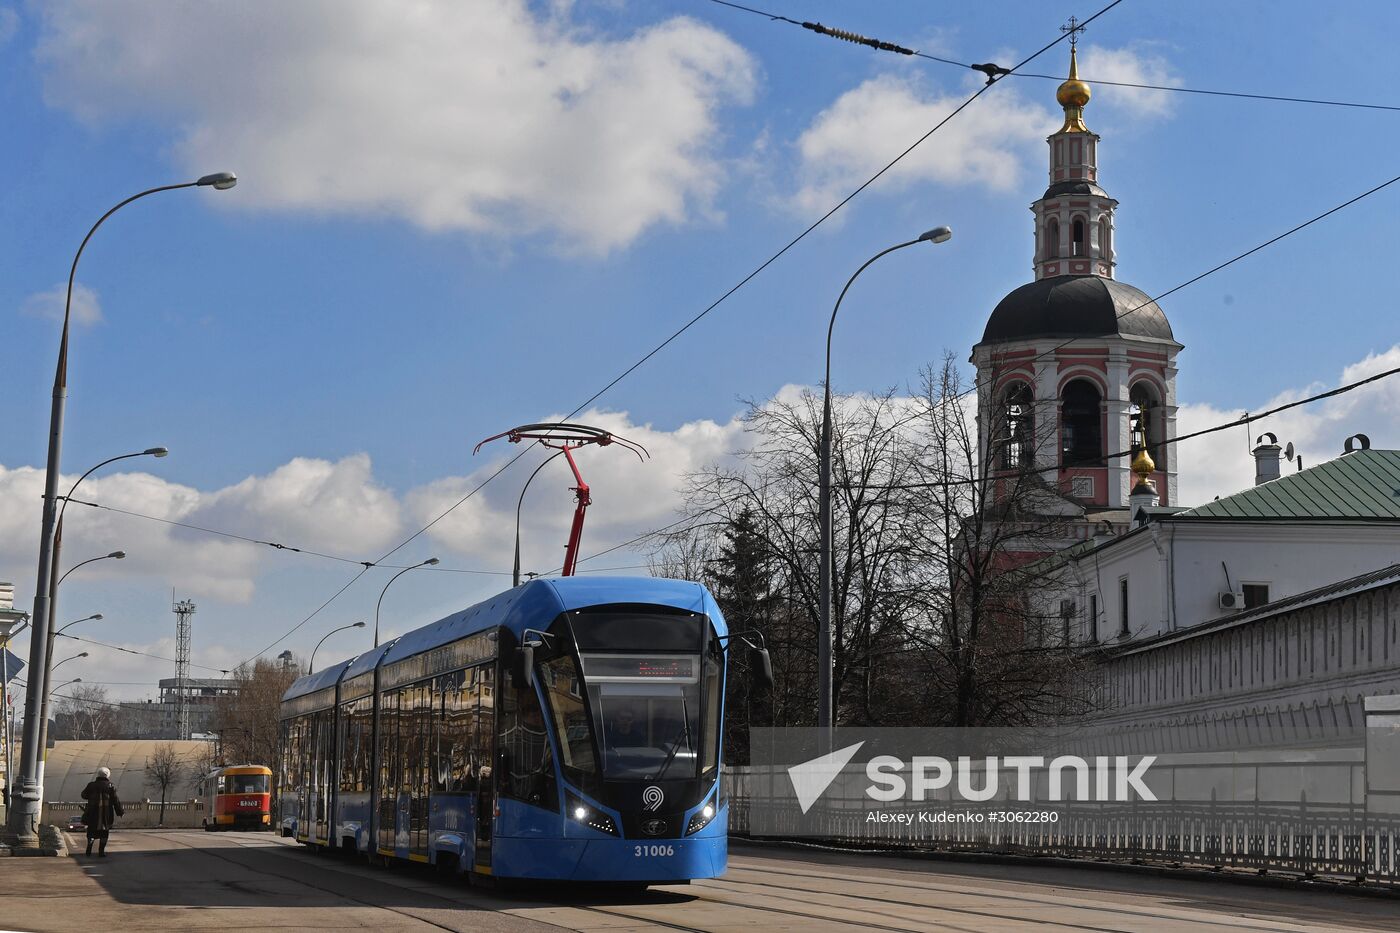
<point x="566" y="729"/>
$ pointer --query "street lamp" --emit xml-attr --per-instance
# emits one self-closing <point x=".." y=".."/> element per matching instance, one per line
<point x="53" y="608"/>
<point x="75" y="680"/>
<point x="311" y="665"/>
<point x="80" y="654"/>
<point x="115" y="555"/>
<point x="824" y="697"/>
<point x="427" y="563"/>
<point x="95" y="617"/>
<point x="24" y="821"/>
<point x="515" y="578"/>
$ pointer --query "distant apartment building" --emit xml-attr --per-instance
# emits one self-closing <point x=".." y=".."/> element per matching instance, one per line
<point x="157" y="719"/>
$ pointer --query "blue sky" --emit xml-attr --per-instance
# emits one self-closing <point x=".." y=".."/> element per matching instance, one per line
<point x="454" y="218"/>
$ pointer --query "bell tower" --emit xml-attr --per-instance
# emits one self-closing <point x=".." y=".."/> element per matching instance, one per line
<point x="1076" y="367"/>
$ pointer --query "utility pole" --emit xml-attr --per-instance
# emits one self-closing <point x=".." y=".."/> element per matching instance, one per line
<point x="184" y="612"/>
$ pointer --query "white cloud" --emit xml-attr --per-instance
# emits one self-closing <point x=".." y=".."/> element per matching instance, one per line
<point x="1131" y="65"/>
<point x="333" y="508"/>
<point x="987" y="144"/>
<point x="494" y="117"/>
<point x="308" y="502"/>
<point x="49" y="304"/>
<point x="1219" y="464"/>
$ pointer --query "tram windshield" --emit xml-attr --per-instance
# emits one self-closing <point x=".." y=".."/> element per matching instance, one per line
<point x="246" y="783"/>
<point x="648" y="711"/>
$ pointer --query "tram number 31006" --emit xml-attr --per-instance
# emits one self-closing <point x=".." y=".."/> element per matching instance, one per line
<point x="652" y="851"/>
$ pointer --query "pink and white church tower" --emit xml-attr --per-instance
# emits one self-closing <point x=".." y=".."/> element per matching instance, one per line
<point x="1077" y="365"/>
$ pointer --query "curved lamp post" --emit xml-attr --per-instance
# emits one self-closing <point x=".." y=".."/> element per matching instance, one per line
<point x="53" y="607"/>
<point x="427" y="563"/>
<point x="515" y="578"/>
<point x="80" y="654"/>
<point x="824" y="691"/>
<point x="311" y="665"/>
<point x="95" y="617"/>
<point x="24" y="819"/>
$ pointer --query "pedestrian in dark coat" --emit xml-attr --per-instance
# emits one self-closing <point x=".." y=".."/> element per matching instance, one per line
<point x="101" y="811"/>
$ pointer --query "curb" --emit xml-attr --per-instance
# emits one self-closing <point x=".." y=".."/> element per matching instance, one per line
<point x="1223" y="875"/>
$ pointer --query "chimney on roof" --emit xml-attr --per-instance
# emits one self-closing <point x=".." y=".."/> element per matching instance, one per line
<point x="1267" y="462"/>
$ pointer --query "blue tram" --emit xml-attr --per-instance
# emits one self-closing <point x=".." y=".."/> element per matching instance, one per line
<point x="566" y="729"/>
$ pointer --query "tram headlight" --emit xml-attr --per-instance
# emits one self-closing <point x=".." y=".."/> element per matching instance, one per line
<point x="701" y="818"/>
<point x="589" y="816"/>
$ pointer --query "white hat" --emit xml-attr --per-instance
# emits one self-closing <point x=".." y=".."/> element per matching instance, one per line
<point x="104" y="772"/>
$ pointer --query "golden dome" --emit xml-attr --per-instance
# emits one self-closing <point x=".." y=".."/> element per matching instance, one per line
<point x="1143" y="464"/>
<point x="1073" y="95"/>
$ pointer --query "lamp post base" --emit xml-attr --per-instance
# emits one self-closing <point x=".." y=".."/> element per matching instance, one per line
<point x="24" y="814"/>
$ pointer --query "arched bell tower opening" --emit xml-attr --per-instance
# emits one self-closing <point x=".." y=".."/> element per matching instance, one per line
<point x="1078" y="367"/>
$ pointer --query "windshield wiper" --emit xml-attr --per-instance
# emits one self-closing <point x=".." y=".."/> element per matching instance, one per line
<point x="676" y="743"/>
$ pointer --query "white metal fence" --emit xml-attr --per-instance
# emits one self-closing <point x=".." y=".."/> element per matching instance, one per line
<point x="1303" y="811"/>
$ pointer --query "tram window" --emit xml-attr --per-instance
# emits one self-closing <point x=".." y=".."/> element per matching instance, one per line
<point x="448" y="744"/>
<point x="388" y="744"/>
<point x="484" y="735"/>
<point x="714" y="692"/>
<point x="462" y="717"/>
<point x="244" y="784"/>
<point x="648" y="731"/>
<point x="563" y="690"/>
<point x="526" y="767"/>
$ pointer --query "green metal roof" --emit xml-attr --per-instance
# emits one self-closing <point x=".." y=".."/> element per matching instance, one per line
<point x="1360" y="486"/>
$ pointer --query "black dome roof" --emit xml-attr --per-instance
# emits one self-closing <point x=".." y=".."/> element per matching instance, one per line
<point x="1074" y="186"/>
<point x="1076" y="306"/>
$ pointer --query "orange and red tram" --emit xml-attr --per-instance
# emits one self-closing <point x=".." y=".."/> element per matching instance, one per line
<point x="238" y="797"/>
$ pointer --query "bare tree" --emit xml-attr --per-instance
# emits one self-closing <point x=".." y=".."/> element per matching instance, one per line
<point x="937" y="556"/>
<point x="776" y="488"/>
<point x="992" y="653"/>
<point x="87" y="713"/>
<point x="246" y="720"/>
<point x="164" y="769"/>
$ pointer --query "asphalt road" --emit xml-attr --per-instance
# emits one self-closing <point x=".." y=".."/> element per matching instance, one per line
<point x="190" y="880"/>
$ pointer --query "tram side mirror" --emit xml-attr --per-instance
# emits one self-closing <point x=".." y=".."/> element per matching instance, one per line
<point x="527" y="665"/>
<point x="762" y="666"/>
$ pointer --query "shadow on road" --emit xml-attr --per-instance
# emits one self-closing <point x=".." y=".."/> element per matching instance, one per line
<point x="164" y="870"/>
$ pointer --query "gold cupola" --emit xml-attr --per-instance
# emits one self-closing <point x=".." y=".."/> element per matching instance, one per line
<point x="1073" y="95"/>
<point x="1143" y="466"/>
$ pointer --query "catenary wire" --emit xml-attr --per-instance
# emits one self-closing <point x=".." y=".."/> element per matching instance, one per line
<point x="996" y="72"/>
<point x="694" y="320"/>
<point x="842" y="203"/>
<point x="273" y="544"/>
<point x="93" y="641"/>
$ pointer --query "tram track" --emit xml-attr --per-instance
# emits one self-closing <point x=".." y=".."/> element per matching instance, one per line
<point x="760" y="896"/>
<point x="944" y="888"/>
<point x="213" y="851"/>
